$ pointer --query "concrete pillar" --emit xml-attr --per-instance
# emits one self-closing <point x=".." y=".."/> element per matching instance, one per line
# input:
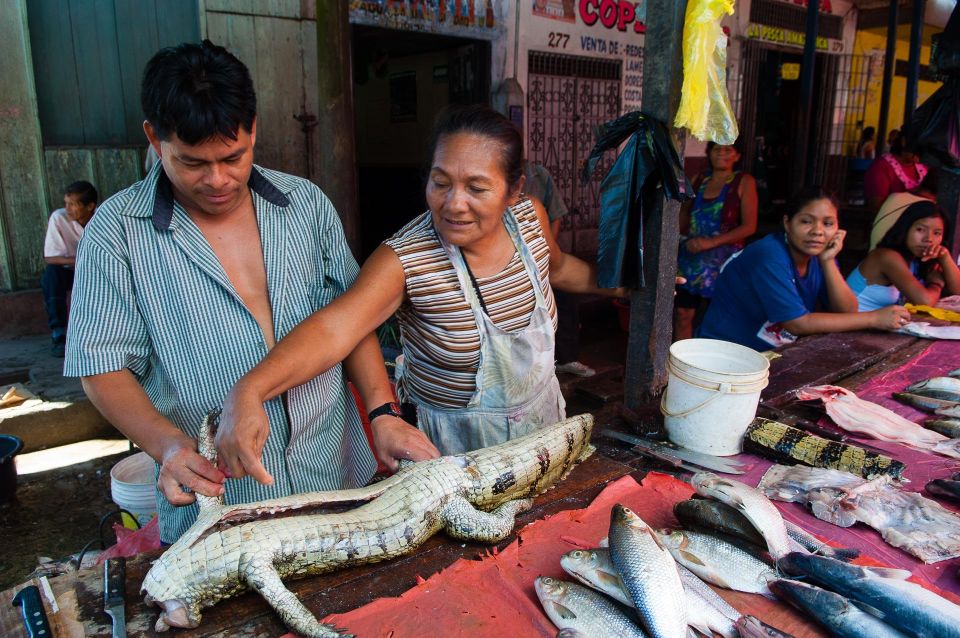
<point x="337" y="173"/>
<point x="23" y="210"/>
<point x="651" y="309"/>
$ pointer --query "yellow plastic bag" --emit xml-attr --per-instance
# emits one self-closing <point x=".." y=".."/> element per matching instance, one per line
<point x="937" y="313"/>
<point x="704" y="104"/>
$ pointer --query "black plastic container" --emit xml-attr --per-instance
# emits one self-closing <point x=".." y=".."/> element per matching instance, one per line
<point x="10" y="446"/>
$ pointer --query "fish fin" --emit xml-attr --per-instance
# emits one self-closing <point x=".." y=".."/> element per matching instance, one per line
<point x="870" y="609"/>
<point x="693" y="558"/>
<point x="886" y="572"/>
<point x="563" y="611"/>
<point x="608" y="578"/>
<point x="570" y="632"/>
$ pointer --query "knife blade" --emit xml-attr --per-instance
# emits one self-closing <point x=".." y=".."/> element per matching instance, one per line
<point x="716" y="463"/>
<point x="31" y="608"/>
<point x="114" y="581"/>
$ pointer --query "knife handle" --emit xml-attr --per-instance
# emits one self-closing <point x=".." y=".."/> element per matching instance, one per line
<point x="114" y="582"/>
<point x="31" y="608"/>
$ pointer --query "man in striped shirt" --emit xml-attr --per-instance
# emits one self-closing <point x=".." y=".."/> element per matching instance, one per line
<point x="186" y="279"/>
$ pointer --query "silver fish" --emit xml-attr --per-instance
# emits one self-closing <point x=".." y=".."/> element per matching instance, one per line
<point x="954" y="373"/>
<point x="946" y="427"/>
<point x="593" y="568"/>
<point x="573" y="607"/>
<point x="909" y="607"/>
<point x="719" y="562"/>
<point x="836" y="613"/>
<point x="752" y="503"/>
<point x="924" y="402"/>
<point x="649" y="574"/>
<point x="752" y="627"/>
<point x="940" y="387"/>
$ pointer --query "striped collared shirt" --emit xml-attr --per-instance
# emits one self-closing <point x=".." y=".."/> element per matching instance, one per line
<point x="151" y="296"/>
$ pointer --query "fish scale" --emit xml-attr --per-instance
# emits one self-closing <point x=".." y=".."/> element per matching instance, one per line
<point x="649" y="574"/>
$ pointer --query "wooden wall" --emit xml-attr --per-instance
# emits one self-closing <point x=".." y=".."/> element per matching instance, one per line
<point x="108" y="169"/>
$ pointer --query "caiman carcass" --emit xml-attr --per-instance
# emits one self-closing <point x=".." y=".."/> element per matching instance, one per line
<point x="473" y="496"/>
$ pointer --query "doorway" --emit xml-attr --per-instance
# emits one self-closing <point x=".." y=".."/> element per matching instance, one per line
<point x="402" y="80"/>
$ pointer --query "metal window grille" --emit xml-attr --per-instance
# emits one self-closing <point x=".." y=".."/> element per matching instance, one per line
<point x="853" y="78"/>
<point x="776" y="13"/>
<point x="567" y="97"/>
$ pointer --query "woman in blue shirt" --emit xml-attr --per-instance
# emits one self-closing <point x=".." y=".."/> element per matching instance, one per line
<point x="910" y="262"/>
<point x="770" y="293"/>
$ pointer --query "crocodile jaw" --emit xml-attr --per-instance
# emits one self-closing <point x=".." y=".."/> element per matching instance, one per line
<point x="176" y="613"/>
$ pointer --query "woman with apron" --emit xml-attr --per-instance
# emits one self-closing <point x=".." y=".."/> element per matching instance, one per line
<point x="470" y="280"/>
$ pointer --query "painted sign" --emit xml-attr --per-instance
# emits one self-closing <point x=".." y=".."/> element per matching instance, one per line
<point x="618" y="14"/>
<point x="790" y="71"/>
<point x="466" y="18"/>
<point x="787" y="37"/>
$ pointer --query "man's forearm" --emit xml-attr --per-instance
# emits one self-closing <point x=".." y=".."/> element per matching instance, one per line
<point x="122" y="401"/>
<point x="61" y="261"/>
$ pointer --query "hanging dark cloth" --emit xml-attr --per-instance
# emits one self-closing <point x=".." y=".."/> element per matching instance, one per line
<point x="647" y="169"/>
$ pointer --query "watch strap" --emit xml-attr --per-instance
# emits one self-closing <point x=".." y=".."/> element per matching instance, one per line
<point x="392" y="408"/>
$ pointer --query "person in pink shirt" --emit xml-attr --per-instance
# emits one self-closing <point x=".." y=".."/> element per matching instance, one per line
<point x="895" y="172"/>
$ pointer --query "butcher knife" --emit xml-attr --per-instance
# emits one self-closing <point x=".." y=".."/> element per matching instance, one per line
<point x="114" y="580"/>
<point x="665" y="451"/>
<point x="31" y="608"/>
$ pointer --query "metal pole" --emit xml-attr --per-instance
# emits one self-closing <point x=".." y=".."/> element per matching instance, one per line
<point x="805" y="156"/>
<point x="913" y="66"/>
<point x="888" y="64"/>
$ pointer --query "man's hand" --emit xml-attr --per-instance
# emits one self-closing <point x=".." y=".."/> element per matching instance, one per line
<point x="833" y="247"/>
<point x="395" y="439"/>
<point x="181" y="467"/>
<point x="244" y="428"/>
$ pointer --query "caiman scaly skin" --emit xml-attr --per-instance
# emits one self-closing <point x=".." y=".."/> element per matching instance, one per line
<point x="473" y="496"/>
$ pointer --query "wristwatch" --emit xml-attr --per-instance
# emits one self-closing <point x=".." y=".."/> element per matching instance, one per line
<point x="392" y="408"/>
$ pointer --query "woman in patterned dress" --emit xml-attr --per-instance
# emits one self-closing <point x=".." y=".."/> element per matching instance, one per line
<point x="470" y="280"/>
<point x="714" y="226"/>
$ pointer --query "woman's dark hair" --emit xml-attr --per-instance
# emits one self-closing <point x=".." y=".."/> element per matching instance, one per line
<point x="84" y="191"/>
<point x="930" y="182"/>
<point x="805" y="196"/>
<point x="199" y="92"/>
<point x="868" y="134"/>
<point x="896" y="237"/>
<point x="482" y="120"/>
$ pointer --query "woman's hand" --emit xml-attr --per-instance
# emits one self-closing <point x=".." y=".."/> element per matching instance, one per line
<point x="833" y="248"/>
<point x="937" y="252"/>
<point x="244" y="428"/>
<point x="699" y="244"/>
<point x="890" y="318"/>
<point x="395" y="439"/>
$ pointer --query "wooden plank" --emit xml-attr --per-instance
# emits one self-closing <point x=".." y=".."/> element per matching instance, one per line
<point x="281" y="144"/>
<point x="116" y="169"/>
<point x="822" y="359"/>
<point x="57" y="89"/>
<point x="236" y="34"/>
<point x="65" y="166"/>
<point x="178" y="21"/>
<point x="98" y="71"/>
<point x="23" y="211"/>
<point x="138" y="38"/>
<point x="311" y="94"/>
<point x="264" y="8"/>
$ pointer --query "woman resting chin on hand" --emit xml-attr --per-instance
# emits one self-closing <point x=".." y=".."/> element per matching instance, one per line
<point x="778" y="288"/>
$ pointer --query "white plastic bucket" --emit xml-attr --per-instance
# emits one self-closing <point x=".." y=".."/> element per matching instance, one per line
<point x="133" y="486"/>
<point x="712" y="394"/>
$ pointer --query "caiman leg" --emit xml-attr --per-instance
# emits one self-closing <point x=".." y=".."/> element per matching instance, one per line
<point x="262" y="577"/>
<point x="462" y="520"/>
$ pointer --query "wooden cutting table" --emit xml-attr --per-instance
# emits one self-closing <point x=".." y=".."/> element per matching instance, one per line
<point x="838" y="358"/>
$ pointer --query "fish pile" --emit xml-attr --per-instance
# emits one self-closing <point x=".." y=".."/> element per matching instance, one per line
<point x="917" y="525"/>
<point x="862" y="417"/>
<point x="638" y="587"/>
<point x="851" y="600"/>
<point x="784" y="443"/>
<point x="939" y="396"/>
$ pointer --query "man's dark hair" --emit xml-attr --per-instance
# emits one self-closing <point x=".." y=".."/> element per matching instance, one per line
<point x="84" y="191"/>
<point x="482" y="120"/>
<point x="199" y="92"/>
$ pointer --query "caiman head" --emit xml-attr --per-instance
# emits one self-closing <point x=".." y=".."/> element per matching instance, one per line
<point x="529" y="465"/>
<point x="176" y="598"/>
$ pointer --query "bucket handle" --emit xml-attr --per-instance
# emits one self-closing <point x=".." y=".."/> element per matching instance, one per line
<point x="724" y="388"/>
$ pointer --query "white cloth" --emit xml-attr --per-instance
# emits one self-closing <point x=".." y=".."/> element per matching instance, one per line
<point x="63" y="235"/>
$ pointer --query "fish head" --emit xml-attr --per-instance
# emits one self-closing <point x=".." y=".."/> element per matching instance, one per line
<point x="622" y="515"/>
<point x="579" y="563"/>
<point x="549" y="588"/>
<point x="674" y="539"/>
